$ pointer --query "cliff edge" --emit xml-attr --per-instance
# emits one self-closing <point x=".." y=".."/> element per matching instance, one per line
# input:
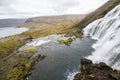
<point x="101" y="71"/>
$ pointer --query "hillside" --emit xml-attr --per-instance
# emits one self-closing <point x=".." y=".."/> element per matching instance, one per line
<point x="46" y="25"/>
<point x="51" y="20"/>
<point x="98" y="13"/>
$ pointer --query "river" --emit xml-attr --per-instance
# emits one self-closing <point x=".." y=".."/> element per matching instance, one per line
<point x="62" y="62"/>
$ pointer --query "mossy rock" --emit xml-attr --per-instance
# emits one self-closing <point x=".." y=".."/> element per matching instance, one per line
<point x="67" y="41"/>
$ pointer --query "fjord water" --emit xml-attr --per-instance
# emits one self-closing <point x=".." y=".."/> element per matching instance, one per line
<point x="62" y="62"/>
<point x="107" y="32"/>
<point x="9" y="31"/>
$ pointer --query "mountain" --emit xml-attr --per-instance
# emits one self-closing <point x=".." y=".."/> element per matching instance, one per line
<point x="11" y="22"/>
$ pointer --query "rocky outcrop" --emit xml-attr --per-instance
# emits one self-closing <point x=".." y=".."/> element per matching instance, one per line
<point x="101" y="71"/>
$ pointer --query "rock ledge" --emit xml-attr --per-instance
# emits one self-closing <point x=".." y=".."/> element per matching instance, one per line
<point x="101" y="71"/>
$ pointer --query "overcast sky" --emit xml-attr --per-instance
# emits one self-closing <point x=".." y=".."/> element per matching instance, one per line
<point x="30" y="8"/>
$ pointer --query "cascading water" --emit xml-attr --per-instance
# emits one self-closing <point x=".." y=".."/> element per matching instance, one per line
<point x="107" y="33"/>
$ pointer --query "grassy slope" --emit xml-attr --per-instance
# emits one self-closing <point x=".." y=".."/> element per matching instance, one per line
<point x="43" y="26"/>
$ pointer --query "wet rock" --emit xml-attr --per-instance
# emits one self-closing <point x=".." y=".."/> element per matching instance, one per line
<point x="85" y="62"/>
<point x="101" y="71"/>
<point x="103" y="66"/>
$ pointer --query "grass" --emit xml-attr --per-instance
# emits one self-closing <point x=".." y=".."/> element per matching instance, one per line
<point x="67" y="41"/>
<point x="30" y="50"/>
<point x="22" y="71"/>
<point x="8" y="47"/>
<point x="18" y="67"/>
<point x="45" y="30"/>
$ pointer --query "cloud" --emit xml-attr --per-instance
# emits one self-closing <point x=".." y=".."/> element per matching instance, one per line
<point x="30" y="8"/>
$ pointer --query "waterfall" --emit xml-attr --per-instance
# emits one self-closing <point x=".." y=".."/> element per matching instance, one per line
<point x="107" y="33"/>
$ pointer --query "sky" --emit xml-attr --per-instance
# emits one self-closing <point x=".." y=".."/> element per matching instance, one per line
<point x="31" y="8"/>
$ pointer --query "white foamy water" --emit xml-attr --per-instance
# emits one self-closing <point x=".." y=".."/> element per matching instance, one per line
<point x="107" y="33"/>
<point x="9" y="31"/>
<point x="70" y="75"/>
<point x="44" y="40"/>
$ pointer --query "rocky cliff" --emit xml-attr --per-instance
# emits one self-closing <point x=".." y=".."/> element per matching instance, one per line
<point x="101" y="71"/>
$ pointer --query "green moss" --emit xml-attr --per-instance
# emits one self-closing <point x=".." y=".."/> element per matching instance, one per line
<point x="30" y="50"/>
<point x="22" y="69"/>
<point x="8" y="47"/>
<point x="67" y="42"/>
<point x="16" y="73"/>
<point x="28" y="65"/>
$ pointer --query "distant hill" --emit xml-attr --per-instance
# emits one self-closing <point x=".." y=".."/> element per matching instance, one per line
<point x="51" y="20"/>
<point x="11" y="22"/>
<point x="54" y="18"/>
<point x="48" y="25"/>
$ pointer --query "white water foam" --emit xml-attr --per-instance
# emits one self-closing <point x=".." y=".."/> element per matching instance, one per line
<point x="107" y="33"/>
<point x="70" y="74"/>
<point x="44" y="40"/>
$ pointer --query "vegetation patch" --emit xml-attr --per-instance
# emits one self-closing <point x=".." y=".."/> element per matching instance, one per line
<point x="30" y="50"/>
<point x="9" y="47"/>
<point x="67" y="41"/>
<point x="18" y="67"/>
<point x="21" y="71"/>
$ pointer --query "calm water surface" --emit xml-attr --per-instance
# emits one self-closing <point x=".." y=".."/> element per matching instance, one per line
<point x="9" y="31"/>
<point x="61" y="60"/>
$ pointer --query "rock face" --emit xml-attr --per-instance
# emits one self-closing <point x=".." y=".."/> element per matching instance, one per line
<point x="101" y="71"/>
